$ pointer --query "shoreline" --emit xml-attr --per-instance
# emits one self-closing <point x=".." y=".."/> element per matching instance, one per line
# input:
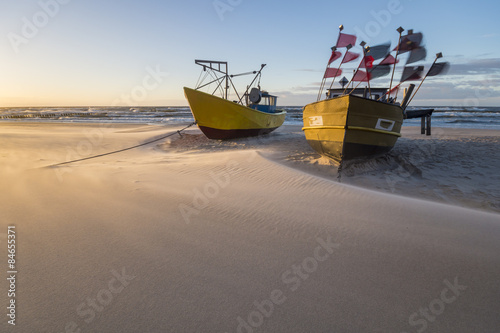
<point x="419" y="166"/>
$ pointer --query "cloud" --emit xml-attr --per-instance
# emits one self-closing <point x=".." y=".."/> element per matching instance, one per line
<point x="468" y="82"/>
<point x="492" y="35"/>
<point x="472" y="82"/>
<point x="476" y="66"/>
<point x="307" y="70"/>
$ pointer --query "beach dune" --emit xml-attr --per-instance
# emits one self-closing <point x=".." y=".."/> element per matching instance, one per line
<point x="253" y="235"/>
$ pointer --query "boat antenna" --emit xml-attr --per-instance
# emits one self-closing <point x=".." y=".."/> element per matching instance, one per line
<point x="400" y="30"/>
<point x="334" y="48"/>
<point x="438" y="55"/>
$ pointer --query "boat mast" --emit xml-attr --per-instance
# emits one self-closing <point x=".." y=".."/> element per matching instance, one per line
<point x="363" y="62"/>
<point x="227" y="82"/>
<point x="218" y="67"/>
<point x="365" y="50"/>
<point x="348" y="47"/>
<point x="334" y="48"/>
<point x="257" y="74"/>
<point x="400" y="30"/>
<point x="222" y="68"/>
<point x="438" y="55"/>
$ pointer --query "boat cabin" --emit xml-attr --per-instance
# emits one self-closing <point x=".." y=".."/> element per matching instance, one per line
<point x="376" y="93"/>
<point x="261" y="101"/>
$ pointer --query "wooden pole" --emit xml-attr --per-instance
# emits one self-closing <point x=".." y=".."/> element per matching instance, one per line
<point x="348" y="47"/>
<point x="365" y="49"/>
<point x="428" y="132"/>
<point x="400" y="30"/>
<point x="388" y="93"/>
<point x="438" y="55"/>
<point x="353" y="87"/>
<point x="408" y="91"/>
<point x="356" y="72"/>
<point x="334" y="48"/>
<point x="251" y="83"/>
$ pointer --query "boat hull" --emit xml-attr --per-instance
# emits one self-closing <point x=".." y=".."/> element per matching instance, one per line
<point x="221" y="119"/>
<point x="349" y="127"/>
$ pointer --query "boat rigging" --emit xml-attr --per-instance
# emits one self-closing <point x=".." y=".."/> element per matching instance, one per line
<point x="358" y="123"/>
<point x="251" y="113"/>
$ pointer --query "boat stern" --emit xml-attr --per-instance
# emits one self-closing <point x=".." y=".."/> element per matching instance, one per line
<point x="349" y="127"/>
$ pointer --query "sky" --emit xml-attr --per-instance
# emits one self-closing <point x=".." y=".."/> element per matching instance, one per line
<point x="141" y="53"/>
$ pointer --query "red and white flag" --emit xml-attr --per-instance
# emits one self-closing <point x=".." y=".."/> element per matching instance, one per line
<point x="345" y="39"/>
<point x="350" y="56"/>
<point x="438" y="68"/>
<point x="367" y="62"/>
<point x="411" y="73"/>
<point x="361" y="76"/>
<point x="409" y="42"/>
<point x="389" y="60"/>
<point x="335" y="55"/>
<point x="332" y="72"/>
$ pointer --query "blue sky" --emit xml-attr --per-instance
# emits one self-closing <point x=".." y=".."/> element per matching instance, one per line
<point x="89" y="52"/>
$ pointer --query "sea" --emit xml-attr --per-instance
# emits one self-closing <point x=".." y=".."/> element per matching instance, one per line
<point x="447" y="116"/>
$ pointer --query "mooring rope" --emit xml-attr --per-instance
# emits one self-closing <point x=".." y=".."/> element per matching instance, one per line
<point x="124" y="149"/>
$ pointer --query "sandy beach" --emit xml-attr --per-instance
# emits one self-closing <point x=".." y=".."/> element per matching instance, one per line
<point x="252" y="235"/>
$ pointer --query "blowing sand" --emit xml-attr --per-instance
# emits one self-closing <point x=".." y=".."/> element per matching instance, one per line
<point x="252" y="235"/>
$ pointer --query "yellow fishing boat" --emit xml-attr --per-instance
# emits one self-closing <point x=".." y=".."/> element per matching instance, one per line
<point x="253" y="113"/>
<point x="349" y="126"/>
<point x="365" y="122"/>
<point x="221" y="119"/>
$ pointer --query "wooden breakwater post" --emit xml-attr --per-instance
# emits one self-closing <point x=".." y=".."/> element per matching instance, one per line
<point x="425" y="119"/>
<point x="425" y="125"/>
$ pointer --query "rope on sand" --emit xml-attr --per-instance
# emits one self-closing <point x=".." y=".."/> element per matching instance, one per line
<point x="124" y="149"/>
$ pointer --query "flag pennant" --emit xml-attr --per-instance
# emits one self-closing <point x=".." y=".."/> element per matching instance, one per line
<point x="389" y="60"/>
<point x="350" y="56"/>
<point x="345" y="39"/>
<point x="411" y="73"/>
<point x="438" y="68"/>
<point x="409" y="42"/>
<point x="416" y="55"/>
<point x="379" y="51"/>
<point x="332" y="72"/>
<point x="361" y="76"/>
<point x="335" y="55"/>
<point x="367" y="62"/>
<point x="379" y="71"/>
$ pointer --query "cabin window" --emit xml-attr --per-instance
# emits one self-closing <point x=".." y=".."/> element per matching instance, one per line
<point x="263" y="101"/>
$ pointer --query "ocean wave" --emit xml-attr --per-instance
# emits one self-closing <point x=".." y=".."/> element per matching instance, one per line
<point x="473" y="121"/>
<point x="495" y="115"/>
<point x="443" y="116"/>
